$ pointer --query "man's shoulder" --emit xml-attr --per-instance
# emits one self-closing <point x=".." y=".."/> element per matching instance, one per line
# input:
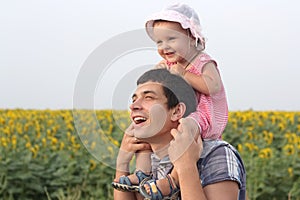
<point x="210" y="145"/>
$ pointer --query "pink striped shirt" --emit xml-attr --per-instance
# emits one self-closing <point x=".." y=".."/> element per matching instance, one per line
<point x="212" y="110"/>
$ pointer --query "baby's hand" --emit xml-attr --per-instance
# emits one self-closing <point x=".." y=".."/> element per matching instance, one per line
<point x="162" y="65"/>
<point x="177" y="69"/>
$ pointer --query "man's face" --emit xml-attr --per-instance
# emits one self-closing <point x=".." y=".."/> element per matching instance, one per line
<point x="149" y="112"/>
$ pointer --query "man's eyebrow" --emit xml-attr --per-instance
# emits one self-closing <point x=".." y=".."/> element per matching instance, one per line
<point x="149" y="92"/>
<point x="133" y="96"/>
<point x="144" y="93"/>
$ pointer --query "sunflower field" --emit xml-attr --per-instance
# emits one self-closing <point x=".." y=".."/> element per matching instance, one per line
<point x="70" y="154"/>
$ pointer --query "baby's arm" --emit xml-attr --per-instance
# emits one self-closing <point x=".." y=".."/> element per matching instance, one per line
<point x="143" y="161"/>
<point x="209" y="82"/>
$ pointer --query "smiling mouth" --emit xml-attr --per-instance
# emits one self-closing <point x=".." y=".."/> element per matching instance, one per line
<point x="170" y="53"/>
<point x="138" y="120"/>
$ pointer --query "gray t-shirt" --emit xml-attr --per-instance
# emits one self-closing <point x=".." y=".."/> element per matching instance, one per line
<point x="219" y="161"/>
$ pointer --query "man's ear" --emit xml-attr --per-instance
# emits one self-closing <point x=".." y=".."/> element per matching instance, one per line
<point x="178" y="111"/>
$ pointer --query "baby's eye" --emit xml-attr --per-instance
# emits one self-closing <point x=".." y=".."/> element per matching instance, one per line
<point x="172" y="38"/>
<point x="158" y="43"/>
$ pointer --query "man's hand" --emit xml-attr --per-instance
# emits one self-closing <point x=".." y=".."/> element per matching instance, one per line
<point x="192" y="126"/>
<point x="128" y="147"/>
<point x="184" y="148"/>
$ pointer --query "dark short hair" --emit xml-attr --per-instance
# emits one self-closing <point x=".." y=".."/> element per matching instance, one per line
<point x="175" y="88"/>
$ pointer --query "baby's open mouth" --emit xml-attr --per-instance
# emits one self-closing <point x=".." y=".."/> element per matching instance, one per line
<point x="169" y="53"/>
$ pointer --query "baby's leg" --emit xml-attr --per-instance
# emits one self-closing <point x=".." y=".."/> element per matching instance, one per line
<point x="174" y="179"/>
<point x="166" y="185"/>
<point x="143" y="163"/>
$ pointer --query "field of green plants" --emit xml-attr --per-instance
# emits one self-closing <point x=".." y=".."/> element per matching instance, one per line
<point x="70" y="155"/>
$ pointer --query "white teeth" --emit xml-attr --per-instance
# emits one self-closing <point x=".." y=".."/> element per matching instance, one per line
<point x="139" y="119"/>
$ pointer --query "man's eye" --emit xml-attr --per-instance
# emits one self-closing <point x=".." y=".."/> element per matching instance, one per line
<point x="148" y="97"/>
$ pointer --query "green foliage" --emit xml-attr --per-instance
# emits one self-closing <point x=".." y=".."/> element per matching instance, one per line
<point x="269" y="143"/>
<point x="65" y="155"/>
<point x="43" y="157"/>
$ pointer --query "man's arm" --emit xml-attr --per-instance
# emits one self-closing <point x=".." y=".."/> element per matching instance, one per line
<point x="189" y="183"/>
<point x="191" y="187"/>
<point x="225" y="190"/>
<point x="184" y="151"/>
<point x="119" y="195"/>
<point x="123" y="170"/>
<point x="128" y="147"/>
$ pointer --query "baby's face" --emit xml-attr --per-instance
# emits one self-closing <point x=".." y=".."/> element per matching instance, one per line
<point x="173" y="42"/>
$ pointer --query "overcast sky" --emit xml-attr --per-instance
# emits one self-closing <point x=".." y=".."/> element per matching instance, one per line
<point x="46" y="48"/>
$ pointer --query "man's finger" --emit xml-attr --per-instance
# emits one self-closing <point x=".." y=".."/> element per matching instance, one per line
<point x="142" y="146"/>
<point x="199" y="140"/>
<point x="130" y="130"/>
<point x="200" y="145"/>
<point x="174" y="133"/>
<point x="185" y="128"/>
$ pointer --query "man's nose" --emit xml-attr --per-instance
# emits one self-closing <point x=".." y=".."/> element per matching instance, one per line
<point x="136" y="105"/>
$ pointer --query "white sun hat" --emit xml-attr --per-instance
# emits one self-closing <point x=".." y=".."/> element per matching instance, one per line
<point x="181" y="13"/>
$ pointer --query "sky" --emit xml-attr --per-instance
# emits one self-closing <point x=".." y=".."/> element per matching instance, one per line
<point x="68" y="54"/>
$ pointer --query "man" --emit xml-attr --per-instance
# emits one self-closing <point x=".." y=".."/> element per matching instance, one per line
<point x="159" y="102"/>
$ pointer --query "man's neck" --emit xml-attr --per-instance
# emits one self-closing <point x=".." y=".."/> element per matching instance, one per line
<point x="162" y="152"/>
<point x="160" y="144"/>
